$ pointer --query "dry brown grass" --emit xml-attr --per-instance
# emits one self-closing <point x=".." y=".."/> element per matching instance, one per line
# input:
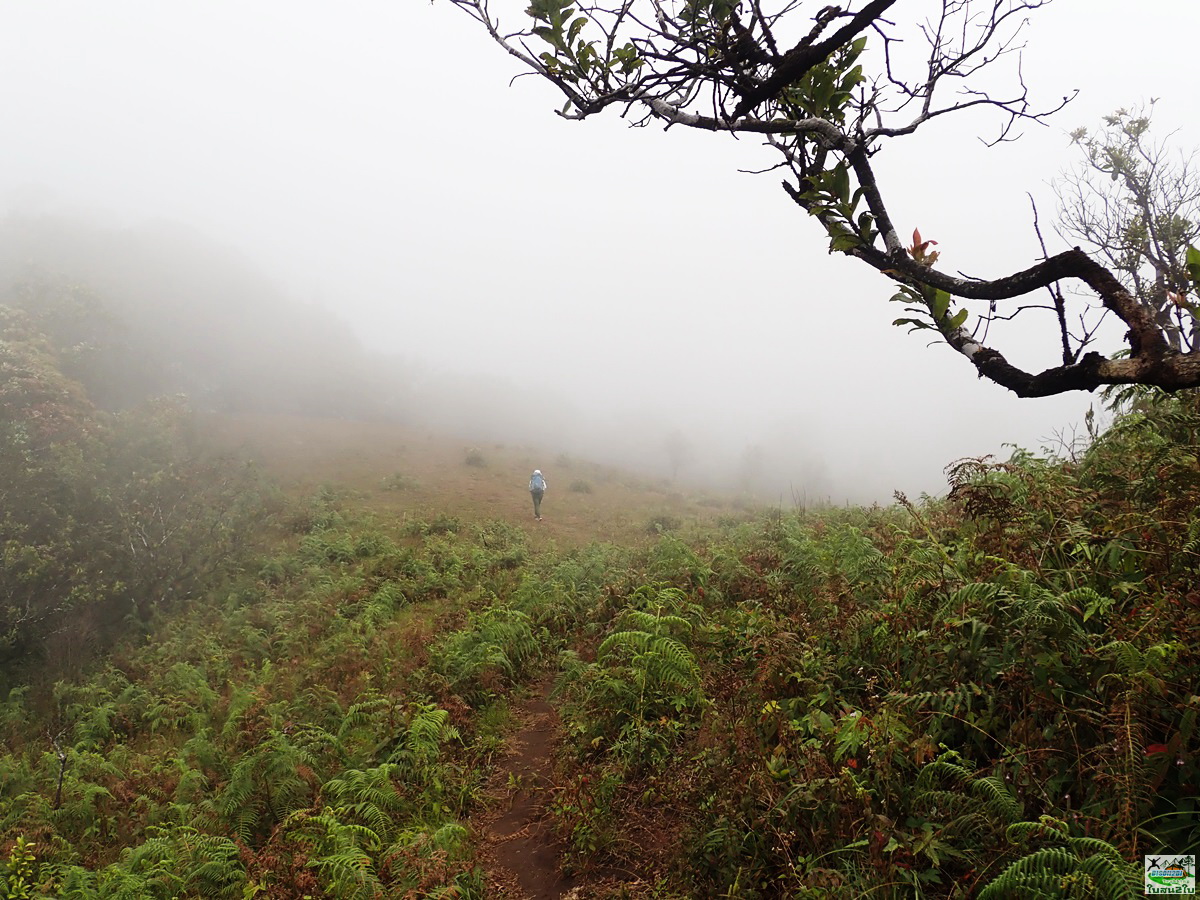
<point x="404" y="473"/>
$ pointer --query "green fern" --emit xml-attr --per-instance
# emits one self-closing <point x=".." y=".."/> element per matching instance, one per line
<point x="428" y="729"/>
<point x="269" y="783"/>
<point x="973" y="806"/>
<point x="1072" y="868"/>
<point x="645" y="686"/>
<point x="368" y="797"/>
<point x="497" y="644"/>
<point x="637" y="619"/>
<point x="341" y="854"/>
<point x="660" y="664"/>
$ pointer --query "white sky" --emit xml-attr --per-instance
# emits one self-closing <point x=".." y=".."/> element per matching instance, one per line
<point x="373" y="157"/>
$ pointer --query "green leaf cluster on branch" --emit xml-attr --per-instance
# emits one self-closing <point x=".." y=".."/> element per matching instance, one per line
<point x="828" y="88"/>
<point x="1137" y="206"/>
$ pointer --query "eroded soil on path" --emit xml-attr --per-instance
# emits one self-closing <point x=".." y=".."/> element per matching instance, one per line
<point x="517" y="843"/>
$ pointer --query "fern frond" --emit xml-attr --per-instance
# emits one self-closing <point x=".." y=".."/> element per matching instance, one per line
<point x="1084" y="868"/>
<point x="997" y="797"/>
<point x="638" y="620"/>
<point x="678" y="666"/>
<point x="635" y="641"/>
<point x="976" y="596"/>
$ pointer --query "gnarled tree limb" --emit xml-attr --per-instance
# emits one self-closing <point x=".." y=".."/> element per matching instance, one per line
<point x="715" y="65"/>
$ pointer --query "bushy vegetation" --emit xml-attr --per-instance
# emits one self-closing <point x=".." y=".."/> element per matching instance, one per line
<point x="398" y="481"/>
<point x="106" y="518"/>
<point x="991" y="694"/>
<point x="988" y="695"/>
<point x="292" y="740"/>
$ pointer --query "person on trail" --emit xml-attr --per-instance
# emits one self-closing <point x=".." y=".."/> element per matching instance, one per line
<point x="537" y="487"/>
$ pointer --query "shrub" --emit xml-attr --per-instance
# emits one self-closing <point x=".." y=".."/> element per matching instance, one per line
<point x="398" y="481"/>
<point x="662" y="523"/>
<point x="580" y="486"/>
<point x="490" y="655"/>
<point x="475" y="458"/>
<point x="440" y="524"/>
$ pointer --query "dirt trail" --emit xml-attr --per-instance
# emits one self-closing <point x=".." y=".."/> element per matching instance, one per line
<point x="517" y="840"/>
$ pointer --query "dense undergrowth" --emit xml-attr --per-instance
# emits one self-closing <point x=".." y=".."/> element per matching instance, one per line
<point x="107" y="518"/>
<point x="305" y="736"/>
<point x="991" y="695"/>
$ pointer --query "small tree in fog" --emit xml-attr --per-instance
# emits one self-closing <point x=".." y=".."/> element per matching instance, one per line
<point x="751" y="467"/>
<point x="101" y="514"/>
<point x="679" y="451"/>
<point x="1136" y="205"/>
<point x="828" y="88"/>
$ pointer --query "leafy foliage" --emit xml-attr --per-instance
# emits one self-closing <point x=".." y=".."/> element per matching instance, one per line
<point x="104" y="516"/>
<point x="1034" y="623"/>
<point x="1070" y="867"/>
<point x="1140" y="211"/>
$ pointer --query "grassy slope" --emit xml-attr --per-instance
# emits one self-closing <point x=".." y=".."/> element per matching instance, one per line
<point x="305" y="453"/>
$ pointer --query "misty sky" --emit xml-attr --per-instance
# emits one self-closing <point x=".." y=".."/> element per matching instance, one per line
<point x="374" y="158"/>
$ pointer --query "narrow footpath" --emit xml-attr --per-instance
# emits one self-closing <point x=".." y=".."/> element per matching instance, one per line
<point x="517" y="841"/>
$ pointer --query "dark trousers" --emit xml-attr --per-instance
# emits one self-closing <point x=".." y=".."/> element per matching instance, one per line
<point x="537" y="502"/>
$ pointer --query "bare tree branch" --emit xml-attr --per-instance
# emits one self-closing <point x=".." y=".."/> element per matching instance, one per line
<point x="828" y="107"/>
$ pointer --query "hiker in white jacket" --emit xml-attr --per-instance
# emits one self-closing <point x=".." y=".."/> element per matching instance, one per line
<point x="537" y="487"/>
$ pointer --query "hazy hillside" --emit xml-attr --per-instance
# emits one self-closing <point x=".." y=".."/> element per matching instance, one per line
<point x="158" y="309"/>
<point x="161" y="309"/>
